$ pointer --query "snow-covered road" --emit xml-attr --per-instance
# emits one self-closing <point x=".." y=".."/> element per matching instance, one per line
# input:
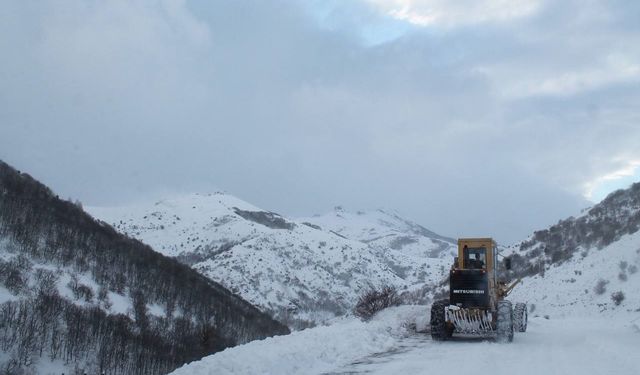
<point x="387" y="345"/>
<point x="565" y="346"/>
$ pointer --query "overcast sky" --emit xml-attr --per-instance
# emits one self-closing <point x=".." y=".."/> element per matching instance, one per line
<point x="487" y="117"/>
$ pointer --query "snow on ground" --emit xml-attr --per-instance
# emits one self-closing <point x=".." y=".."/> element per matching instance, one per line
<point x="6" y="295"/>
<point x="120" y="304"/>
<point x="114" y="304"/>
<point x="314" y="350"/>
<point x="572" y="345"/>
<point x="564" y="347"/>
<point x="570" y="287"/>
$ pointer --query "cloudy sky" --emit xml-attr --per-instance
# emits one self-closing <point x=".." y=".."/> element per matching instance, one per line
<point x="473" y="117"/>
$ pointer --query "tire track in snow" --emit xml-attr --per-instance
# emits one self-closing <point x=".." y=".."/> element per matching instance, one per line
<point x="562" y="347"/>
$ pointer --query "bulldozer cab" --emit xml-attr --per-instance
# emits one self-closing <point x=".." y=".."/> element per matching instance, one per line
<point x="476" y="253"/>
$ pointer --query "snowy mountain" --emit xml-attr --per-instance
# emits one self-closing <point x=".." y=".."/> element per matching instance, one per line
<point x="384" y="229"/>
<point x="77" y="296"/>
<point x="298" y="270"/>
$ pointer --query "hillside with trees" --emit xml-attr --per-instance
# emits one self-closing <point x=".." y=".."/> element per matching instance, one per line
<point x="78" y="294"/>
<point x="598" y="227"/>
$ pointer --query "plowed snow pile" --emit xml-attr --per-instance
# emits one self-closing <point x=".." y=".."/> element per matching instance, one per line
<point x="312" y="351"/>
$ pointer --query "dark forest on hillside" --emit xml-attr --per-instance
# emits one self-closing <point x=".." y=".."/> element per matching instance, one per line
<point x="202" y="317"/>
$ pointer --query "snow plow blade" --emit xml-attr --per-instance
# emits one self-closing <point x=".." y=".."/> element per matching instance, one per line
<point x="469" y="321"/>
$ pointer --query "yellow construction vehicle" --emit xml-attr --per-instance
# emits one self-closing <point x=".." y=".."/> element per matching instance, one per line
<point x="477" y="304"/>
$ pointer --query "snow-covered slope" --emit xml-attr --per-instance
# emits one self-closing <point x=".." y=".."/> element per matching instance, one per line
<point x="385" y="229"/>
<point x="588" y="283"/>
<point x="577" y="264"/>
<point x="294" y="269"/>
<point x="616" y="216"/>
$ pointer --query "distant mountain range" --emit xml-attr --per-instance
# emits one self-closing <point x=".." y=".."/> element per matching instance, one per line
<point x="76" y="295"/>
<point x="303" y="271"/>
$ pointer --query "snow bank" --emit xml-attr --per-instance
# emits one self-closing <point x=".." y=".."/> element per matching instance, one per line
<point x="313" y="350"/>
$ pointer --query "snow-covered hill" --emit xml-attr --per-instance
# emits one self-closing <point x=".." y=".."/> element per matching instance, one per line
<point x="77" y="296"/>
<point x="296" y="269"/>
<point x="385" y="229"/>
<point x="594" y="282"/>
<point x="587" y="263"/>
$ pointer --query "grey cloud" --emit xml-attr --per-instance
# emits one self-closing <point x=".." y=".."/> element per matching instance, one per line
<point x="111" y="102"/>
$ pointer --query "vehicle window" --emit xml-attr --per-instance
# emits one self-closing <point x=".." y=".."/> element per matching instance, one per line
<point x="475" y="257"/>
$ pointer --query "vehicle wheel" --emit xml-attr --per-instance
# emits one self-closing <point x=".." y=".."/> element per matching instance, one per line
<point x="439" y="331"/>
<point x="520" y="317"/>
<point x="504" y="324"/>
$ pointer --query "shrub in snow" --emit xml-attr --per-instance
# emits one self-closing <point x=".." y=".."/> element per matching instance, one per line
<point x="617" y="297"/>
<point x="375" y="300"/>
<point x="622" y="276"/>
<point x="623" y="265"/>
<point x="601" y="287"/>
<point x="633" y="269"/>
